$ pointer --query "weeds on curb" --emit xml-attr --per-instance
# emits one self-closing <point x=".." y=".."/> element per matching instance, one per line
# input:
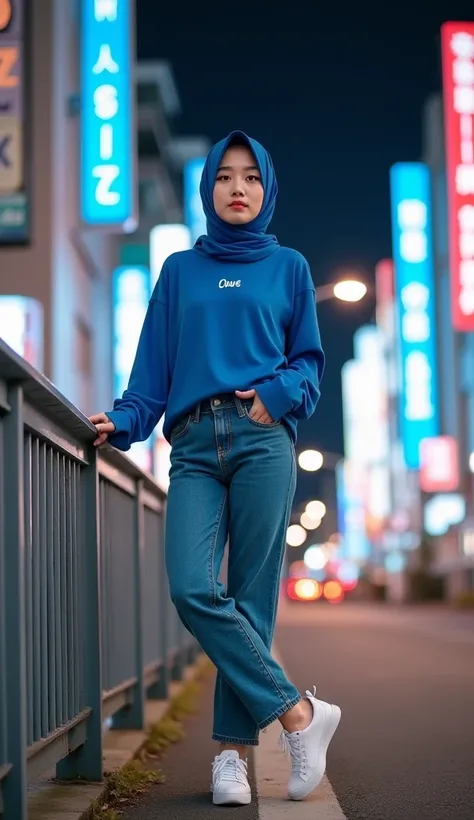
<point x="122" y="785"/>
<point x="133" y="778"/>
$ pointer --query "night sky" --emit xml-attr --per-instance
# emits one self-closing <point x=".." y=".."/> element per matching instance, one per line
<point x="336" y="96"/>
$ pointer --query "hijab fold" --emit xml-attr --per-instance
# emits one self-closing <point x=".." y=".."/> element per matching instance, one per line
<point x="238" y="243"/>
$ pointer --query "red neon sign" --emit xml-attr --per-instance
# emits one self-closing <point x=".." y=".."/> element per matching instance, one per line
<point x="457" y="44"/>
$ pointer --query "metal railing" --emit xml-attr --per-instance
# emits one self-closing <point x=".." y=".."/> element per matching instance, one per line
<point x="87" y="628"/>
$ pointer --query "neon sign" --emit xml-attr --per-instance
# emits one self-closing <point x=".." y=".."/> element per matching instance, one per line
<point x="107" y="125"/>
<point x="458" y="97"/>
<point x="414" y="282"/>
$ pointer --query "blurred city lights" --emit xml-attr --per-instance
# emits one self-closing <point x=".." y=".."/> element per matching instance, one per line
<point x="303" y="589"/>
<point x="310" y="460"/>
<point x="308" y="590"/>
<point x="471" y="462"/>
<point x="295" y="535"/>
<point x="333" y="592"/>
<point x="316" y="557"/>
<point x="350" y="290"/>
<point x="316" y="510"/>
<point x="309" y="523"/>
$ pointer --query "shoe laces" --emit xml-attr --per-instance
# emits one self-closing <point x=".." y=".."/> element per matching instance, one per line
<point x="230" y="768"/>
<point x="291" y="744"/>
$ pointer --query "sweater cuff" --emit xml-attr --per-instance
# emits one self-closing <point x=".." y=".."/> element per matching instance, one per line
<point x="121" y="420"/>
<point x="275" y="399"/>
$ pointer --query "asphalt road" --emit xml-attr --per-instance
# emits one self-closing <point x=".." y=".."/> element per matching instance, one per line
<point x="404" y="679"/>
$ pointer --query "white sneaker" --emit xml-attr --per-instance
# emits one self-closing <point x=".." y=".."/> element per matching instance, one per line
<point x="308" y="748"/>
<point x="230" y="786"/>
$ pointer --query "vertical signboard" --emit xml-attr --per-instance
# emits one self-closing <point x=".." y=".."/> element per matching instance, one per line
<point x="13" y="200"/>
<point x="384" y="297"/>
<point x="439" y="468"/>
<point x="414" y="285"/>
<point x="21" y="327"/>
<point x="193" y="210"/>
<point x="165" y="240"/>
<point x="108" y="162"/>
<point x="131" y="293"/>
<point x="457" y="43"/>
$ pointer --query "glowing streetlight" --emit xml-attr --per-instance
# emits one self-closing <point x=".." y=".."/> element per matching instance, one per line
<point x="346" y="290"/>
<point x="350" y="290"/>
<point x="311" y="460"/>
<point x="295" y="535"/>
<point x="316" y="510"/>
<point x="309" y="523"/>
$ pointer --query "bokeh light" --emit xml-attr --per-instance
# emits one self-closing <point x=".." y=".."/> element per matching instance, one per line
<point x="295" y="535"/>
<point x="309" y="523"/>
<point x="333" y="592"/>
<point x="310" y="460"/>
<point x="316" y="510"/>
<point x="316" y="557"/>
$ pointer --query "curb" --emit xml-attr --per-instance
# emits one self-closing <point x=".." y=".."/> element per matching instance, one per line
<point x="51" y="800"/>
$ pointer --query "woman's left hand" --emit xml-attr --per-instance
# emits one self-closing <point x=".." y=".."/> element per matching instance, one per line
<point x="258" y="411"/>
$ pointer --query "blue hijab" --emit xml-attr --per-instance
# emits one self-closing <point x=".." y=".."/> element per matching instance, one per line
<point x="238" y="243"/>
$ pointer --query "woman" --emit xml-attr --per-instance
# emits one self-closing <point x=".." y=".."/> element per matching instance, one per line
<point x="230" y="351"/>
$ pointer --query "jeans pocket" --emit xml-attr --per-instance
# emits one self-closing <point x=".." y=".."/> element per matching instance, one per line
<point x="260" y="424"/>
<point x="181" y="428"/>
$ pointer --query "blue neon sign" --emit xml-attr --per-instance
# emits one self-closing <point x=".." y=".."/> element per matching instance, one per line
<point x="107" y="117"/>
<point x="414" y="283"/>
<point x="193" y="210"/>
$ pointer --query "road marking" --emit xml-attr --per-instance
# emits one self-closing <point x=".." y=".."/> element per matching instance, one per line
<point x="272" y="773"/>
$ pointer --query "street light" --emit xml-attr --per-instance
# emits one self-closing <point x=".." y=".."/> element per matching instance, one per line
<point x="295" y="535"/>
<point x="346" y="290"/>
<point x="350" y="290"/>
<point x="310" y="523"/>
<point x="311" y="460"/>
<point x="316" y="510"/>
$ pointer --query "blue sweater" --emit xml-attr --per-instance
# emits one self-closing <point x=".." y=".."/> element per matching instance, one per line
<point x="214" y="328"/>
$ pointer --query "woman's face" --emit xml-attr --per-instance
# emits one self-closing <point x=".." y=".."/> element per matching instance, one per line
<point x="238" y="190"/>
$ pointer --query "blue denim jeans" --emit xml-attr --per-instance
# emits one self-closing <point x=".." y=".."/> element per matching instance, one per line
<point x="232" y="479"/>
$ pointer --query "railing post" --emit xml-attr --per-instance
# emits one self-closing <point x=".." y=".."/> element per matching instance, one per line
<point x="133" y="716"/>
<point x="85" y="763"/>
<point x="160" y="689"/>
<point x="16" y="782"/>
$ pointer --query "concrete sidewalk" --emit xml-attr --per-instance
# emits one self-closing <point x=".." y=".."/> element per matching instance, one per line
<point x="185" y="794"/>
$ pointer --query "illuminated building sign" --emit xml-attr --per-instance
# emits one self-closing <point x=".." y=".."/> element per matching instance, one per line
<point x="13" y="199"/>
<point x="193" y="210"/>
<point x="439" y="467"/>
<point x="108" y="173"/>
<point x="165" y="240"/>
<point x="131" y="292"/>
<point x="458" y="97"/>
<point x="414" y="284"/>
<point x="21" y="327"/>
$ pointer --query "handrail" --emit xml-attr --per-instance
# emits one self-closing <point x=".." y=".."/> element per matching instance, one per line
<point x="87" y="628"/>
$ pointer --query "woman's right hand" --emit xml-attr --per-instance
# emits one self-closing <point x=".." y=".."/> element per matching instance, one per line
<point x="104" y="427"/>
